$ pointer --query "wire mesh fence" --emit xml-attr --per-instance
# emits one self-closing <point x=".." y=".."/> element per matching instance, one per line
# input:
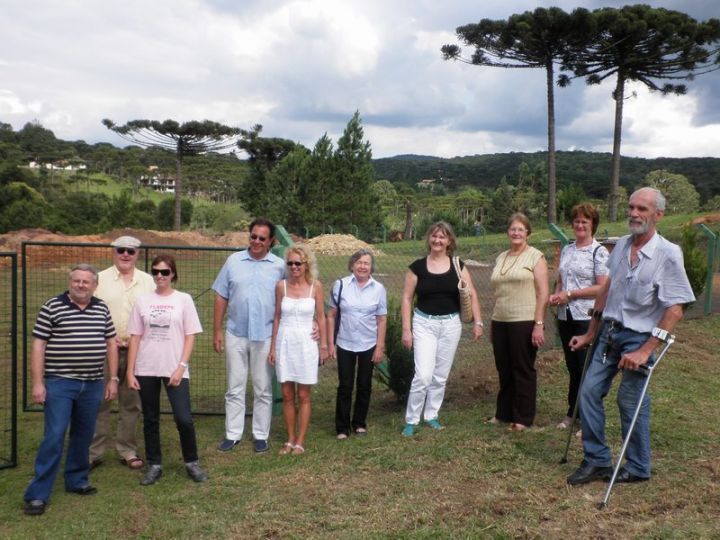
<point x="46" y="265"/>
<point x="8" y="360"/>
<point x="45" y="274"/>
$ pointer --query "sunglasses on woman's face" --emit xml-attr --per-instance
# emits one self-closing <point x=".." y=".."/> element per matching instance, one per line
<point x="122" y="251"/>
<point x="294" y="263"/>
<point x="162" y="271"/>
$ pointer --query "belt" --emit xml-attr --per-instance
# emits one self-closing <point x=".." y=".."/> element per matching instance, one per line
<point x="439" y="317"/>
<point x="615" y="325"/>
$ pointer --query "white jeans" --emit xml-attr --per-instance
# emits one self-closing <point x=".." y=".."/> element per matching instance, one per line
<point x="241" y="354"/>
<point x="435" y="342"/>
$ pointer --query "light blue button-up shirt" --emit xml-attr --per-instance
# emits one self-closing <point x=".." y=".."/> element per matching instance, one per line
<point x="638" y="297"/>
<point x="249" y="287"/>
<point x="359" y="309"/>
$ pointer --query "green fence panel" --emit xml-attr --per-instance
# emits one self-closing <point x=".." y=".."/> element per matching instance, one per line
<point x="8" y="359"/>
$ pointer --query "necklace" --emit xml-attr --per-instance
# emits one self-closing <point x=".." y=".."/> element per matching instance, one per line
<point x="503" y="270"/>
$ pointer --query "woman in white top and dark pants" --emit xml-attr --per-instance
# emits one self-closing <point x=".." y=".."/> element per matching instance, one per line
<point x="360" y="304"/>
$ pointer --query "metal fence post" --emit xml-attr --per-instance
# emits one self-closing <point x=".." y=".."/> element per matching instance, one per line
<point x="284" y="241"/>
<point x="712" y="250"/>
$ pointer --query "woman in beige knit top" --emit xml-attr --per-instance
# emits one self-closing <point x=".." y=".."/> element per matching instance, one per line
<point x="520" y="286"/>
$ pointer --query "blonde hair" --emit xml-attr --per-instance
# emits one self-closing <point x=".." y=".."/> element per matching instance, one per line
<point x="308" y="257"/>
<point x="445" y="228"/>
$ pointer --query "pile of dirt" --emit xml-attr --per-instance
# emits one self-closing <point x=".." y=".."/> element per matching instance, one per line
<point x="709" y="219"/>
<point x="338" y="244"/>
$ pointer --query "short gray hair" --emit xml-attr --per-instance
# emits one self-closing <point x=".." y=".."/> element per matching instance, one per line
<point x="659" y="197"/>
<point x="355" y="257"/>
<point x="84" y="267"/>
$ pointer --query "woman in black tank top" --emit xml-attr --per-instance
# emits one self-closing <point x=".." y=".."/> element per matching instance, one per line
<point x="433" y="328"/>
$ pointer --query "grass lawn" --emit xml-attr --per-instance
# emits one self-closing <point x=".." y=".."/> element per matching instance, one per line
<point x="472" y="480"/>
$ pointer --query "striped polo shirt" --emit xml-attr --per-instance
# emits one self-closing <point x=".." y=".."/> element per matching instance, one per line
<point x="76" y="338"/>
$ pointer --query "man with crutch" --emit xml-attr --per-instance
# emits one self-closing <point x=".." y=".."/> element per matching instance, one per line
<point x="636" y="308"/>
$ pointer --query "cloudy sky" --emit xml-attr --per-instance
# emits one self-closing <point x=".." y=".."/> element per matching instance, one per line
<point x="302" y="67"/>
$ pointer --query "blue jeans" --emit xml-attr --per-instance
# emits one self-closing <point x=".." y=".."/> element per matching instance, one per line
<point x="68" y="402"/>
<point x="596" y="386"/>
<point x="179" y="398"/>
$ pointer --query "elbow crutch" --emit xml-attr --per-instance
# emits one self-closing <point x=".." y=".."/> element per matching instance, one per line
<point x="668" y="339"/>
<point x="588" y="356"/>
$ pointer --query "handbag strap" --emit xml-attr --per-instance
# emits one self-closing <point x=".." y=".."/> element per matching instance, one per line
<point x="339" y="296"/>
<point x="458" y="271"/>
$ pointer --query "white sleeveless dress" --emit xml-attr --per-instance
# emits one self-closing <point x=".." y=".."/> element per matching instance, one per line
<point x="296" y="353"/>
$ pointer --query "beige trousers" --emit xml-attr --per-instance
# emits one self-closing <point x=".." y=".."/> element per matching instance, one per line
<point x="128" y="415"/>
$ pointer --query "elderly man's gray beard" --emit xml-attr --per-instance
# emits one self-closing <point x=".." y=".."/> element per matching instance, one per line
<point x="638" y="228"/>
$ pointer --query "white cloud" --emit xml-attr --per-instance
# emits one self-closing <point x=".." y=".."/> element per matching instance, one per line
<point x="302" y="67"/>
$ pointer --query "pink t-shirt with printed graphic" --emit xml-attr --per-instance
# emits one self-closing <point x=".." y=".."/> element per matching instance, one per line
<point x="162" y="322"/>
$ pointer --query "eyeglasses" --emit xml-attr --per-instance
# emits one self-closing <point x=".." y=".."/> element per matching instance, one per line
<point x="258" y="237"/>
<point x="295" y="263"/>
<point x="129" y="251"/>
<point x="162" y="271"/>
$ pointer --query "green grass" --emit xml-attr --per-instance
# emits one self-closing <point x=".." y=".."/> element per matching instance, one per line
<point x="472" y="480"/>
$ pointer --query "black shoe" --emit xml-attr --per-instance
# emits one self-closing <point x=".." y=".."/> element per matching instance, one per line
<point x="35" y="507"/>
<point x="95" y="463"/>
<point x="227" y="444"/>
<point x="587" y="473"/>
<point x="85" y="490"/>
<point x="195" y="472"/>
<point x="260" y="446"/>
<point x="626" y="477"/>
<point x="151" y="476"/>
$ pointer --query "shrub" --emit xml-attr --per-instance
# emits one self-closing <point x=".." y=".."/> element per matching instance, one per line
<point x="695" y="263"/>
<point x="400" y="361"/>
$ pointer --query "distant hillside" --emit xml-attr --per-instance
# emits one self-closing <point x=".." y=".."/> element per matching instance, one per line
<point x="590" y="170"/>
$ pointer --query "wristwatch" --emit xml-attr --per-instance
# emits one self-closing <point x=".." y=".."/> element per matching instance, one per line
<point x="183" y="364"/>
<point x="569" y="294"/>
<point x="540" y="323"/>
<point x="480" y="324"/>
<point x="115" y="378"/>
<point x="659" y="333"/>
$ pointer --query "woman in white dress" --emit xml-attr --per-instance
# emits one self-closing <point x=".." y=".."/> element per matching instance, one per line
<point x="293" y="352"/>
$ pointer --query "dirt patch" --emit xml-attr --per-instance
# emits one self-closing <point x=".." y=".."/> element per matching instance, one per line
<point x="12" y="241"/>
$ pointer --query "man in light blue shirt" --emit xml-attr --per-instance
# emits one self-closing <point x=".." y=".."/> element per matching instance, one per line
<point x="245" y="290"/>
<point x="641" y="301"/>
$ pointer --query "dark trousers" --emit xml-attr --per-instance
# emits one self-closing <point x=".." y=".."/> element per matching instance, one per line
<point x="515" y="362"/>
<point x="179" y="398"/>
<point x="346" y="362"/>
<point x="574" y="360"/>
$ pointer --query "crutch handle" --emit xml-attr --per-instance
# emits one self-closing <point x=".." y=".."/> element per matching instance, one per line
<point x="668" y="339"/>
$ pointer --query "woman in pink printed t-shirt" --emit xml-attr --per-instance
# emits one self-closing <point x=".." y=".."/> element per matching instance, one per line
<point x="162" y="332"/>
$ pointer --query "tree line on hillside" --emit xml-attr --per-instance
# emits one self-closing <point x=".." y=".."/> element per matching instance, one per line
<point x="331" y="188"/>
<point x="588" y="170"/>
<point x="474" y="211"/>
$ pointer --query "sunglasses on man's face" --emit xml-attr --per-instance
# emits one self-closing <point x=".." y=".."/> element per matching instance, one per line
<point x="294" y="263"/>
<point x="129" y="251"/>
<point x="258" y="237"/>
<point x="162" y="271"/>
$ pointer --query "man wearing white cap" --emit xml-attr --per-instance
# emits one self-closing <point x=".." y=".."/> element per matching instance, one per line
<point x="119" y="287"/>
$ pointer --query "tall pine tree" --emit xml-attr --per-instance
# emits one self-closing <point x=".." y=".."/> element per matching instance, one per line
<point x="354" y="202"/>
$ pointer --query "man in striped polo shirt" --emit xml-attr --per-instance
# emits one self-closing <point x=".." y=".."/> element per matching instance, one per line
<point x="71" y="339"/>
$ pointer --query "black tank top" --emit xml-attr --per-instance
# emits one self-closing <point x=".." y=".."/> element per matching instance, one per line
<point x="437" y="294"/>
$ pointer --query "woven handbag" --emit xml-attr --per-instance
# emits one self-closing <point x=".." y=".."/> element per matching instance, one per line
<point x="466" y="315"/>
